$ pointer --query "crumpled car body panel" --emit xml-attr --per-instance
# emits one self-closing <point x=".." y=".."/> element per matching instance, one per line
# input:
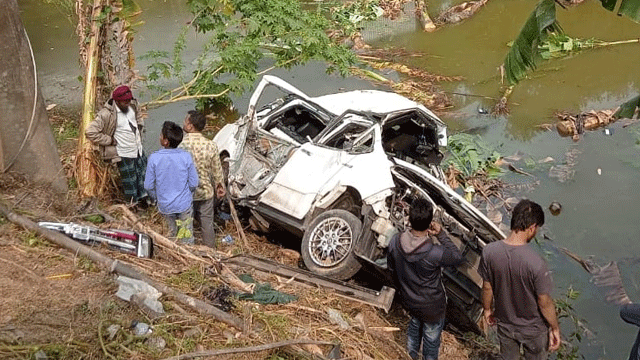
<point x="342" y="170"/>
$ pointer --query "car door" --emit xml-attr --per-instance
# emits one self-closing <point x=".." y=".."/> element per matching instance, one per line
<point x="310" y="166"/>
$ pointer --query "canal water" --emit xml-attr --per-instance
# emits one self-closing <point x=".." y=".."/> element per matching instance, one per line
<point x="601" y="201"/>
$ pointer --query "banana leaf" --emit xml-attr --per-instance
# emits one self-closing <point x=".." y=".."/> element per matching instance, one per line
<point x="628" y="109"/>
<point x="629" y="8"/>
<point x="522" y="55"/>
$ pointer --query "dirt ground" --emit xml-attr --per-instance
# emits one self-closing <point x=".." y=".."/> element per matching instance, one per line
<point x="63" y="306"/>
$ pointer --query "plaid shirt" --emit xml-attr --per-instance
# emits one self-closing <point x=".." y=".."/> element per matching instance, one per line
<point x="205" y="156"/>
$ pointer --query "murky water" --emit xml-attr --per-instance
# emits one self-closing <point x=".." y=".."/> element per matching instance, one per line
<point x="599" y="216"/>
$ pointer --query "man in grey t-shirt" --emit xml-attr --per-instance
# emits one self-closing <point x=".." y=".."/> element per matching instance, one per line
<point x="519" y="281"/>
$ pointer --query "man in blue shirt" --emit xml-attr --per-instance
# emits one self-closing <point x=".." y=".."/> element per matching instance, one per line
<point x="171" y="178"/>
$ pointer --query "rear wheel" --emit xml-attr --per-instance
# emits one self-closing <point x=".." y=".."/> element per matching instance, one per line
<point x="329" y="243"/>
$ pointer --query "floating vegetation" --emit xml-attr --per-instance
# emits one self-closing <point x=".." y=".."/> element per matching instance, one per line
<point x="460" y="12"/>
<point x="472" y="156"/>
<point x="558" y="45"/>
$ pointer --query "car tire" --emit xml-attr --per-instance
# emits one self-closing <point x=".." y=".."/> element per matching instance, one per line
<point x="328" y="244"/>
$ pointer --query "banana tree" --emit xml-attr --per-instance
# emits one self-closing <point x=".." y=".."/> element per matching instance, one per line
<point x="541" y="23"/>
<point x="101" y="23"/>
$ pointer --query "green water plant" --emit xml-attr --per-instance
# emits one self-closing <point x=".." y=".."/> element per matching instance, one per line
<point x="567" y="315"/>
<point x="558" y="45"/>
<point x="471" y="155"/>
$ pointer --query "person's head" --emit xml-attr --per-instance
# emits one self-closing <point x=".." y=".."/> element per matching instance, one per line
<point x="122" y="96"/>
<point x="527" y="217"/>
<point x="195" y="121"/>
<point x="171" y="135"/>
<point x="420" y="214"/>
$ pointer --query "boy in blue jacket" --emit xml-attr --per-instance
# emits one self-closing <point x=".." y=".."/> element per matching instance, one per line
<point x="171" y="178"/>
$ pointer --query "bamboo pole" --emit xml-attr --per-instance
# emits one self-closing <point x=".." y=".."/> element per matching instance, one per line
<point x="87" y="174"/>
<point x="122" y="269"/>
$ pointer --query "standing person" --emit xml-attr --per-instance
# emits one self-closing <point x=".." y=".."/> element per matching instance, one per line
<point x="116" y="132"/>
<point x="171" y="179"/>
<point x="517" y="278"/>
<point x="630" y="313"/>
<point x="416" y="265"/>
<point x="205" y="155"/>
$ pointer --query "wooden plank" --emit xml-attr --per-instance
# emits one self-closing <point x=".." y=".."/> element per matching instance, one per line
<point x="381" y="299"/>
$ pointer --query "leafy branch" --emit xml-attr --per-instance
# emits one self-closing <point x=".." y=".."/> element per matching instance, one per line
<point x="240" y="34"/>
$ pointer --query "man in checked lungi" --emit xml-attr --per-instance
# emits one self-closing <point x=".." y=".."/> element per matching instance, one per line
<point x="117" y="134"/>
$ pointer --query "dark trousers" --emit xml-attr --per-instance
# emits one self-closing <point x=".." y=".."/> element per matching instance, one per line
<point x="534" y="347"/>
<point x="631" y="314"/>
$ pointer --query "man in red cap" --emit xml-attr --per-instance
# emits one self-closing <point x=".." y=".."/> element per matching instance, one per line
<point x="116" y="132"/>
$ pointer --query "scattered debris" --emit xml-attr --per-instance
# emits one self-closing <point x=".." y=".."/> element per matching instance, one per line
<point x="227" y="240"/>
<point x="607" y="278"/>
<point x="460" y="12"/>
<point x="381" y="299"/>
<point x="138" y="244"/>
<point x="502" y="107"/>
<point x="11" y="334"/>
<point x="264" y="293"/>
<point x="40" y="355"/>
<point x="565" y="172"/>
<point x="336" y="317"/>
<point x="555" y="208"/>
<point x="574" y="125"/>
<point x="112" y="330"/>
<point x="156" y="343"/>
<point x="140" y="328"/>
<point x="519" y="171"/>
<point x="220" y="297"/>
<point x="146" y="294"/>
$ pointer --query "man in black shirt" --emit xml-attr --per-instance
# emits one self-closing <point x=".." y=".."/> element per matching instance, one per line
<point x="416" y="265"/>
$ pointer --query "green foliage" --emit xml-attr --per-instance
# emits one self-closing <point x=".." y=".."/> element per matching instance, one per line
<point x="64" y="131"/>
<point x="628" y="109"/>
<point x="471" y="155"/>
<point x="86" y="264"/>
<point x="629" y="8"/>
<point x="193" y="278"/>
<point x="350" y="15"/>
<point x="240" y="33"/>
<point x="31" y="239"/>
<point x="561" y="45"/>
<point x="95" y="218"/>
<point x="564" y="308"/>
<point x="522" y="55"/>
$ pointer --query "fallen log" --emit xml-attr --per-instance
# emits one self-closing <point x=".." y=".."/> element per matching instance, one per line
<point x="276" y="345"/>
<point x="120" y="268"/>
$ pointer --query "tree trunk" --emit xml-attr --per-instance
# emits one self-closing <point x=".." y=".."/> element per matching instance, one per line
<point x="88" y="175"/>
<point x="26" y="141"/>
